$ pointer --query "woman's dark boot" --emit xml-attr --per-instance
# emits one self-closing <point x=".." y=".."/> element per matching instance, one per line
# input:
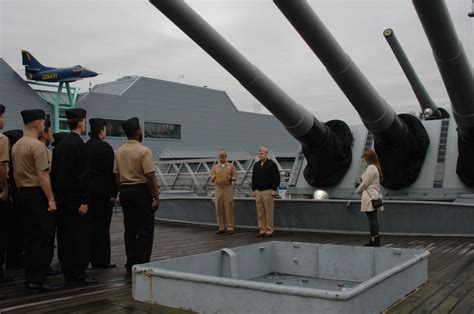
<point x="376" y="241"/>
<point x="371" y="243"/>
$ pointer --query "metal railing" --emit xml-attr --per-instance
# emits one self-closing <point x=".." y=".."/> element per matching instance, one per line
<point x="193" y="174"/>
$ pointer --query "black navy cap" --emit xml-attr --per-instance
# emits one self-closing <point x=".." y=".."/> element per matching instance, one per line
<point x="2" y="109"/>
<point x="76" y="113"/>
<point x="97" y="123"/>
<point x="32" y="115"/>
<point x="58" y="137"/>
<point x="131" y="124"/>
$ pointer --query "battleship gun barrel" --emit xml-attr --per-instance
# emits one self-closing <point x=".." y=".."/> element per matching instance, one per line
<point x="425" y="101"/>
<point x="457" y="77"/>
<point x="376" y="114"/>
<point x="451" y="60"/>
<point x="399" y="140"/>
<point x="299" y="122"/>
<point x="332" y="151"/>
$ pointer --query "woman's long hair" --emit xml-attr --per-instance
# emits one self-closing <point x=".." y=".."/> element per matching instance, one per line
<point x="371" y="158"/>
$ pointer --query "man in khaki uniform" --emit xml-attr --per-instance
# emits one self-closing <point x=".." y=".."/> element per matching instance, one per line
<point x="134" y="169"/>
<point x="223" y="174"/>
<point x="265" y="182"/>
<point x="35" y="198"/>
<point x="46" y="138"/>
<point x="4" y="202"/>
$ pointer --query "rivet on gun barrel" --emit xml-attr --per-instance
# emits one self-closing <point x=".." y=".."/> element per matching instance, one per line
<point x="428" y="107"/>
<point x="401" y="141"/>
<point x="326" y="145"/>
<point x="457" y="78"/>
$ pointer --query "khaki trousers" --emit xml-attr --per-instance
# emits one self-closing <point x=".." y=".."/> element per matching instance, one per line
<point x="265" y="203"/>
<point x="224" y="202"/>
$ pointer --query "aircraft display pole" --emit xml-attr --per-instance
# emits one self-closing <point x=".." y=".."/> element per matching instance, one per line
<point x="56" y="108"/>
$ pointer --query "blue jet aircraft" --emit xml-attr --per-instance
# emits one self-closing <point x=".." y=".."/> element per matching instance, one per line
<point x="38" y="72"/>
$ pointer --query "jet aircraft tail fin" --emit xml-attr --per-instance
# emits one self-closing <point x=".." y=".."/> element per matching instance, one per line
<point x="30" y="63"/>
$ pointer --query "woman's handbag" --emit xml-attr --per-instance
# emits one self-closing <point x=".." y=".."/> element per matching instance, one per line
<point x="376" y="203"/>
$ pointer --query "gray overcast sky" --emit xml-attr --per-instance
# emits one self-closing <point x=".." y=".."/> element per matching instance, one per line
<point x="118" y="38"/>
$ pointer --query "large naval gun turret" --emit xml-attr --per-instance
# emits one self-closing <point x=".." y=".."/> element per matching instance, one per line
<point x="400" y="141"/>
<point x="327" y="145"/>
<point x="457" y="77"/>
<point x="419" y="157"/>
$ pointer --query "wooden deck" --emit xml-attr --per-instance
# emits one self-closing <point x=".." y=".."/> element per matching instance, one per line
<point x="450" y="288"/>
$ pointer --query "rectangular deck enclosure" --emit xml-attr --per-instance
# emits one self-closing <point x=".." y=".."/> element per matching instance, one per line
<point x="284" y="277"/>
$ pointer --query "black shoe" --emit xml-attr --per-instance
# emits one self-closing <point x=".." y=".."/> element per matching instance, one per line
<point x="6" y="279"/>
<point x="268" y="235"/>
<point x="260" y="235"/>
<point x="377" y="241"/>
<point x="41" y="286"/>
<point x="230" y="232"/>
<point x="88" y="280"/>
<point x="370" y="243"/>
<point x="52" y="272"/>
<point x="220" y="231"/>
<point x="104" y="266"/>
<point x="14" y="266"/>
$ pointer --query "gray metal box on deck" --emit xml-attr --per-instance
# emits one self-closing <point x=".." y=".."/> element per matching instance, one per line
<point x="284" y="277"/>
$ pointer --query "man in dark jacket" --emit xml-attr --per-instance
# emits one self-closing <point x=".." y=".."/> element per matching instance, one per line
<point x="102" y="188"/>
<point x="69" y="169"/>
<point x="265" y="182"/>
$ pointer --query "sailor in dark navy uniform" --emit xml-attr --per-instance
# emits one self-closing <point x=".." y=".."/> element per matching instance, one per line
<point x="68" y="172"/>
<point x="14" y="258"/>
<point x="4" y="197"/>
<point x="58" y="137"/>
<point x="102" y="188"/>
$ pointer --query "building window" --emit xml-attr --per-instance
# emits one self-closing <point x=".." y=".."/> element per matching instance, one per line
<point x="114" y="128"/>
<point x="162" y="130"/>
<point x="63" y="120"/>
<point x="62" y="113"/>
<point x="63" y="126"/>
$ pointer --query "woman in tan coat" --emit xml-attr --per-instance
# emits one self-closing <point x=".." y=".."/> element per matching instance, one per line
<point x="369" y="189"/>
